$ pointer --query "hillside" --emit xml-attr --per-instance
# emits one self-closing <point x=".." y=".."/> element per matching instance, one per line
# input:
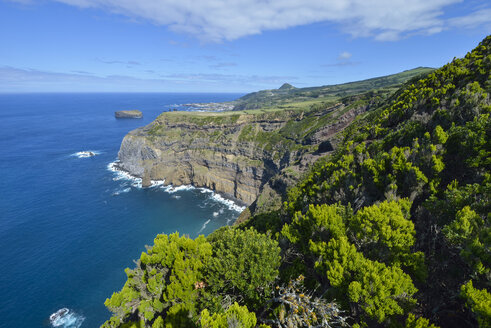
<point x="243" y="153"/>
<point x="288" y="95"/>
<point x="389" y="229"/>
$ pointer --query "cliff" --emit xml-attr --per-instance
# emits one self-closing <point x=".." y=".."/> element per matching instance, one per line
<point x="221" y="152"/>
<point x="235" y="153"/>
<point x="248" y="153"/>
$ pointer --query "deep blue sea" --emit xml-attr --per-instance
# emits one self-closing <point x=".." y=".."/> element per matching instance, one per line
<point x="68" y="225"/>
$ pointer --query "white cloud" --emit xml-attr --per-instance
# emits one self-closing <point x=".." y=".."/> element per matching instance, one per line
<point x="219" y="20"/>
<point x="14" y="79"/>
<point x="473" y="20"/>
<point x="344" y="55"/>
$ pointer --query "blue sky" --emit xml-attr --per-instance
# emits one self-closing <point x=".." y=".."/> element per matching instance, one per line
<point x="226" y="45"/>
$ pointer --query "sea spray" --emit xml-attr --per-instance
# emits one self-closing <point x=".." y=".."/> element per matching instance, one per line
<point x="65" y="318"/>
<point x="86" y="153"/>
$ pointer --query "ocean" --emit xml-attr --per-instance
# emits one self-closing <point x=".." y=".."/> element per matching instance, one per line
<point x="70" y="225"/>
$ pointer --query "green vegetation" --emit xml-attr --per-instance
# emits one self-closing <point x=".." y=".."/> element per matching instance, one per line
<point x="244" y="265"/>
<point x="235" y="316"/>
<point x="288" y="96"/>
<point x="390" y="230"/>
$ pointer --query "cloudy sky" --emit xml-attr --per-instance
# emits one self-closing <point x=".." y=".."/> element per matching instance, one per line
<point x="226" y="45"/>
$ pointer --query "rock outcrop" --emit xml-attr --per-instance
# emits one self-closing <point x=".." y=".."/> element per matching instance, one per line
<point x="128" y="114"/>
<point x="227" y="153"/>
<point x="235" y="153"/>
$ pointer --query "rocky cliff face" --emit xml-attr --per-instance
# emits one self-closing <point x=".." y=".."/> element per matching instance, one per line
<point x="235" y="153"/>
<point x="223" y="152"/>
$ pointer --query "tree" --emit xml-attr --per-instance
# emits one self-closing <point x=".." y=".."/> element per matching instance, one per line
<point x="479" y="302"/>
<point x="244" y="265"/>
<point x="162" y="287"/>
<point x="235" y="316"/>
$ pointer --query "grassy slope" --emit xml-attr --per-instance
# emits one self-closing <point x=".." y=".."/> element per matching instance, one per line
<point x="295" y="97"/>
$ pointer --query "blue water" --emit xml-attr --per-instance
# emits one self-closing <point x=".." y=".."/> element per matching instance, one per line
<point x="68" y="225"/>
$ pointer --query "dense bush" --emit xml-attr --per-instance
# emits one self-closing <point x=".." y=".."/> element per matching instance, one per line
<point x="162" y="284"/>
<point x="244" y="265"/>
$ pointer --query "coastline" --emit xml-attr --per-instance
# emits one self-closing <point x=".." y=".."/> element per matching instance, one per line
<point x="122" y="174"/>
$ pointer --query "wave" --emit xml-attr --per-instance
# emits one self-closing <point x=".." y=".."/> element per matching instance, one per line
<point x="137" y="183"/>
<point x="204" y="225"/>
<point x="86" y="153"/>
<point x="123" y="175"/>
<point x="65" y="318"/>
<point x="227" y="202"/>
<point x="171" y="189"/>
<point x="121" y="191"/>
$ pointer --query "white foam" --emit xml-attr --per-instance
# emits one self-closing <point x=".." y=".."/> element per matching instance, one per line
<point x="171" y="189"/>
<point x="215" y="214"/>
<point x="176" y="196"/>
<point x="229" y="203"/>
<point x="123" y="175"/>
<point x="218" y="198"/>
<point x="68" y="320"/>
<point x="156" y="183"/>
<point x="125" y="190"/>
<point x="204" y="225"/>
<point x="86" y="153"/>
<point x="137" y="183"/>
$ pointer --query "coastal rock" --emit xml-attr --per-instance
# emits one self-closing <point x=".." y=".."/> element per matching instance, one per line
<point x="146" y="181"/>
<point x="234" y="153"/>
<point x="222" y="152"/>
<point x="128" y="114"/>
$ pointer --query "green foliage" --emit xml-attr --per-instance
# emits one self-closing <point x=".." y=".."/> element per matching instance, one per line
<point x="244" y="264"/>
<point x="235" y="316"/>
<point x="380" y="291"/>
<point x="479" y="301"/>
<point x="384" y="231"/>
<point x="162" y="284"/>
<point x="472" y="235"/>
<point x="430" y="145"/>
<point x="350" y="251"/>
<point x="412" y="322"/>
<point x="321" y="222"/>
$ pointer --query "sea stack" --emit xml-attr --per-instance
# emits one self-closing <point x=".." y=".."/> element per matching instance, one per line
<point x="128" y="114"/>
<point x="146" y="182"/>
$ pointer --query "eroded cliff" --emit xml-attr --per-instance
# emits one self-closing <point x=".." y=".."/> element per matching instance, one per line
<point x="227" y="153"/>
<point x="235" y="153"/>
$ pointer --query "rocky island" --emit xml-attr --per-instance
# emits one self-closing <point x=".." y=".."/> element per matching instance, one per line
<point x="128" y="114"/>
